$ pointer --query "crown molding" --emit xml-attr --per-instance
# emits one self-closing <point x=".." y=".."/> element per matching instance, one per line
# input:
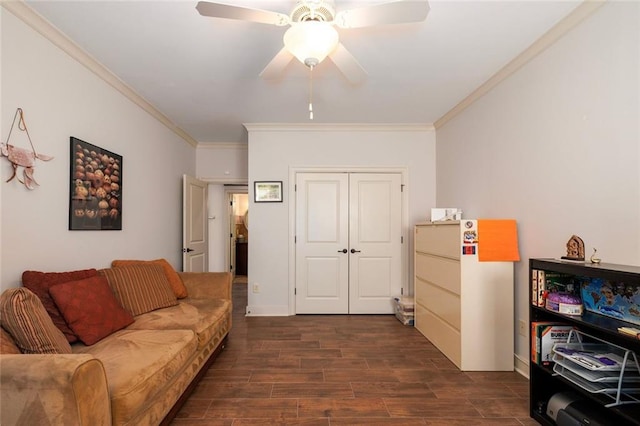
<point x="338" y="127"/>
<point x="579" y="14"/>
<point x="224" y="180"/>
<point x="37" y="22"/>
<point x="223" y="145"/>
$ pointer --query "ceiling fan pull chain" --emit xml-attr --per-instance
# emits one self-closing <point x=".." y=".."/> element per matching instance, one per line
<point x="311" y="92"/>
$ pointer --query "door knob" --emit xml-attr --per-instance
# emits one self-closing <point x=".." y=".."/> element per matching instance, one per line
<point x="342" y="251"/>
<point x="355" y="251"/>
<point x="187" y="250"/>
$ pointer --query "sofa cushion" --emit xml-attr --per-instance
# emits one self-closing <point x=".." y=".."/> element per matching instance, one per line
<point x="140" y="365"/>
<point x="28" y="322"/>
<point x="140" y="288"/>
<point x="40" y="282"/>
<point x="203" y="316"/>
<point x="174" y="279"/>
<point x="90" y="308"/>
<point x="7" y="344"/>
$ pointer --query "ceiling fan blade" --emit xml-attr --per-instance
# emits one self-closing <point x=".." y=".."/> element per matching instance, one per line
<point x="274" y="69"/>
<point x="348" y="65"/>
<point x="218" y="10"/>
<point x="397" y="12"/>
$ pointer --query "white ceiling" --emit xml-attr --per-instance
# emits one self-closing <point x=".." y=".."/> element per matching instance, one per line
<point x="202" y="72"/>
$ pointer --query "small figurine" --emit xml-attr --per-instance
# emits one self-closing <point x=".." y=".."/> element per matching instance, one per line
<point x="575" y="249"/>
<point x="593" y="258"/>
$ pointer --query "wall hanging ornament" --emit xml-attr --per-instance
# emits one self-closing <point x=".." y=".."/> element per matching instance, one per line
<point x="20" y="157"/>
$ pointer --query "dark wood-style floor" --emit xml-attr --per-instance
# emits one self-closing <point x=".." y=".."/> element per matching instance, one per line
<point x="345" y="370"/>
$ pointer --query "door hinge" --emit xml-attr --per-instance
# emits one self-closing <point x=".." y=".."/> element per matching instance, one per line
<point x="295" y="239"/>
<point x="295" y="188"/>
<point x="401" y="187"/>
<point x="401" y="240"/>
<point x="402" y="292"/>
<point x="230" y="235"/>
<point x="295" y="291"/>
<point x="231" y="202"/>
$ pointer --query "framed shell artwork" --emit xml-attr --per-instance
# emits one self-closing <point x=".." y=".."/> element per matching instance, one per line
<point x="95" y="189"/>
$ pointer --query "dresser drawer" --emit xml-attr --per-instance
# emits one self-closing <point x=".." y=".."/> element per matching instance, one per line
<point x="441" y="239"/>
<point x="441" y="271"/>
<point x="442" y="303"/>
<point x="441" y="334"/>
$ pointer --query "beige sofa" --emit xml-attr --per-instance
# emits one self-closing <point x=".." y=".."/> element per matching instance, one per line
<point x="138" y="375"/>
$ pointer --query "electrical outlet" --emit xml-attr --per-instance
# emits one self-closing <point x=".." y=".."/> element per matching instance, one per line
<point x="256" y="288"/>
<point x="522" y="328"/>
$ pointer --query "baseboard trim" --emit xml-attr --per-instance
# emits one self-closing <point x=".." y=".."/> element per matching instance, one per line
<point x="267" y="311"/>
<point x="521" y="365"/>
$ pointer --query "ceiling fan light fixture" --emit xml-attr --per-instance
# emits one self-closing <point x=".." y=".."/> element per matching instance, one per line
<point x="311" y="41"/>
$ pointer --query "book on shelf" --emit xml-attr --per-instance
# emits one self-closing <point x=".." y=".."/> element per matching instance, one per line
<point x="544" y="335"/>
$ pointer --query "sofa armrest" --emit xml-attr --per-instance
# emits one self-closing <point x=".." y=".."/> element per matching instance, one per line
<point x="53" y="389"/>
<point x="209" y="285"/>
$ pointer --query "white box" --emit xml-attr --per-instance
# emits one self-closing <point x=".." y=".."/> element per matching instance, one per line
<point x="448" y="213"/>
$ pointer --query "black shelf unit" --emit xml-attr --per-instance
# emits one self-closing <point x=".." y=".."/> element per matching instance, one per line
<point x="542" y="383"/>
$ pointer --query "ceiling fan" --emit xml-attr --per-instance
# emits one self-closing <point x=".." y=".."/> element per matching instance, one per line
<point x="312" y="35"/>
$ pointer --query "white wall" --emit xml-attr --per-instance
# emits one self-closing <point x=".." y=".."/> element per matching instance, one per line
<point x="222" y="162"/>
<point x="274" y="151"/>
<point x="218" y="228"/>
<point x="556" y="146"/>
<point x="61" y="98"/>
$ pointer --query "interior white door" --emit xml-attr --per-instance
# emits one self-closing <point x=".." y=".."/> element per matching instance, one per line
<point x="348" y="242"/>
<point x="375" y="235"/>
<point x="195" y="244"/>
<point x="322" y="241"/>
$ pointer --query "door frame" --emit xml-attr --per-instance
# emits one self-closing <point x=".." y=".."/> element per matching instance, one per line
<point x="404" y="252"/>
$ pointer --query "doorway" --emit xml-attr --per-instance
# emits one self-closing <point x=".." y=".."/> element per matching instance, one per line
<point x="348" y="242"/>
<point x="238" y="247"/>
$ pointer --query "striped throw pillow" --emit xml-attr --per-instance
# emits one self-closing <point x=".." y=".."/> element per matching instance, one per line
<point x="172" y="276"/>
<point x="26" y="319"/>
<point x="140" y="288"/>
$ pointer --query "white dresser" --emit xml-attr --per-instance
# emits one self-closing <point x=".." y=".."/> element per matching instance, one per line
<point x="463" y="306"/>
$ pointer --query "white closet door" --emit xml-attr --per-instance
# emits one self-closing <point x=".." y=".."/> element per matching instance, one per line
<point x="322" y="240"/>
<point x="375" y="232"/>
<point x="348" y="242"/>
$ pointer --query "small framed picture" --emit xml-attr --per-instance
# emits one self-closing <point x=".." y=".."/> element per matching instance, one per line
<point x="267" y="192"/>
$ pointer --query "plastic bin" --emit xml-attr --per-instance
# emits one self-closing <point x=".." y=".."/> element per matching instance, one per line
<point x="404" y="309"/>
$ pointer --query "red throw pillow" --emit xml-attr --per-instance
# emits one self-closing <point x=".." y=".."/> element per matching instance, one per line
<point x="90" y="308"/>
<point x="40" y="282"/>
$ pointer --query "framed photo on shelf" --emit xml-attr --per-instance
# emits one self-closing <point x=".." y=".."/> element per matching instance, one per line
<point x="95" y="188"/>
<point x="267" y="191"/>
